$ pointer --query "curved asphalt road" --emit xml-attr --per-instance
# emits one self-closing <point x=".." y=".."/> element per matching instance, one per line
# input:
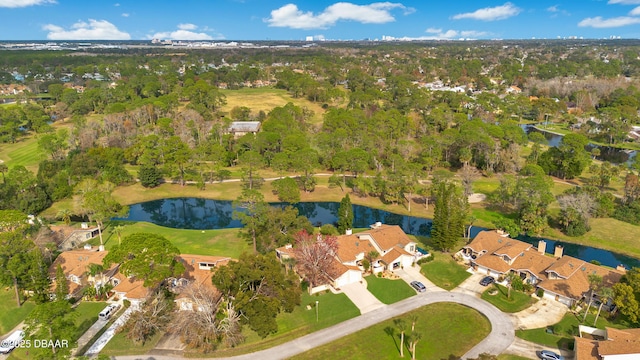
<point x="500" y="338"/>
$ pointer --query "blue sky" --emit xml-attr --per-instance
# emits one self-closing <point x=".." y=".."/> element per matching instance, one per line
<point x="331" y="20"/>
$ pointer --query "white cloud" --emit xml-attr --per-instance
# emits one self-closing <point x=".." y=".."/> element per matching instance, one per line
<point x="375" y="13"/>
<point x="187" y="26"/>
<point x="553" y="8"/>
<point x="624" y="2"/>
<point x="186" y="32"/>
<point x="439" y="34"/>
<point x="491" y="13"/>
<point x="635" y="12"/>
<point x="599" y="22"/>
<point x="116" y="4"/>
<point x="125" y="14"/>
<point x="23" y="3"/>
<point x="93" y="30"/>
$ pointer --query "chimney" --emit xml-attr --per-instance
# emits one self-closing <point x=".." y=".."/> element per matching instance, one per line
<point x="558" y="252"/>
<point x="542" y="247"/>
<point x="101" y="248"/>
<point x="378" y="224"/>
<point x="348" y="232"/>
<point x="621" y="268"/>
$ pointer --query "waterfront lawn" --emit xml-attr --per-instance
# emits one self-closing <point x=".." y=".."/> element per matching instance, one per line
<point x="444" y="271"/>
<point x="332" y="309"/>
<point x="518" y="301"/>
<point x="563" y="332"/>
<point x="10" y="314"/>
<point x="448" y="331"/>
<point x="221" y="242"/>
<point x="389" y="291"/>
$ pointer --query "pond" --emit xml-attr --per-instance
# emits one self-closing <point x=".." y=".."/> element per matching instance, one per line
<point x="195" y="213"/>
<point x="607" y="153"/>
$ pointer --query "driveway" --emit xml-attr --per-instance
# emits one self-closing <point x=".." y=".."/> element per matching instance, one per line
<point x="471" y="285"/>
<point x="361" y="297"/>
<point x="412" y="273"/>
<point x="111" y="331"/>
<point x="499" y="339"/>
<point x="530" y="350"/>
<point x="543" y="313"/>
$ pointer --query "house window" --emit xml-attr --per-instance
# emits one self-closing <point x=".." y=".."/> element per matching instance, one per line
<point x="206" y="266"/>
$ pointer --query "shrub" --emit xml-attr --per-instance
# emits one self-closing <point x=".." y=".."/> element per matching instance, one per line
<point x="149" y="176"/>
<point x="540" y="293"/>
<point x="426" y="259"/>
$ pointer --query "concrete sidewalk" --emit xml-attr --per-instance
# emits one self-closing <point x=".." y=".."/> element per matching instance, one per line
<point x="361" y="297"/>
<point x="89" y="334"/>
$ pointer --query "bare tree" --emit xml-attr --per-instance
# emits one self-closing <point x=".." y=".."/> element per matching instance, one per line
<point x="468" y="174"/>
<point x="209" y="322"/>
<point x="582" y="202"/>
<point x="315" y="255"/>
<point x="155" y="314"/>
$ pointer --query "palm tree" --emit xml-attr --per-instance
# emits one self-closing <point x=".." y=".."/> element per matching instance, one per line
<point x="118" y="231"/>
<point x="372" y="255"/>
<point x="65" y="216"/>
<point x="415" y="337"/>
<point x="594" y="283"/>
<point x="510" y="278"/>
<point x="289" y="263"/>
<point x="414" y="320"/>
<point x="402" y="326"/>
<point x="606" y="294"/>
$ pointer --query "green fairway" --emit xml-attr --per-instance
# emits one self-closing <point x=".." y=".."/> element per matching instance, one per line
<point x="24" y="152"/>
<point x="517" y="302"/>
<point x="389" y="291"/>
<point x="10" y="314"/>
<point x="222" y="242"/>
<point x="448" y="331"/>
<point x="444" y="271"/>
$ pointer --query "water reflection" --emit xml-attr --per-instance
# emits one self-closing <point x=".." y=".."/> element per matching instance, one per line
<point x="193" y="213"/>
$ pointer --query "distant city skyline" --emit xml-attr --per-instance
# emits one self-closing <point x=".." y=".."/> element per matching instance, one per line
<point x="317" y="20"/>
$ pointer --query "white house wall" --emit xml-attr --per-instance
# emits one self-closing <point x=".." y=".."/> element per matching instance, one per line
<point x="622" y="357"/>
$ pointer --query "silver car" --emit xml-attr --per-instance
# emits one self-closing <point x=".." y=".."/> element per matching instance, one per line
<point x="550" y="355"/>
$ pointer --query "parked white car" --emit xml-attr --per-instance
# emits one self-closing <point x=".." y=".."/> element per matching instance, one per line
<point x="11" y="342"/>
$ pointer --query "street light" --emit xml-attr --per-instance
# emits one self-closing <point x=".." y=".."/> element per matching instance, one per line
<point x="317" y="310"/>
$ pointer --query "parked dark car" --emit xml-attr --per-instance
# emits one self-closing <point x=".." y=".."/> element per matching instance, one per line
<point x="550" y="355"/>
<point x="418" y="286"/>
<point x="487" y="280"/>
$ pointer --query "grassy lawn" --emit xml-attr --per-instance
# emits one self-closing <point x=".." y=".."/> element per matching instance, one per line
<point x="86" y="315"/>
<point x="222" y="242"/>
<point x="332" y="309"/>
<point x="518" y="301"/>
<point x="266" y="99"/>
<point x="10" y="314"/>
<point x="120" y="345"/>
<point x="24" y="152"/>
<point x="447" y="329"/>
<point x="389" y="291"/>
<point x="444" y="272"/>
<point x="563" y="332"/>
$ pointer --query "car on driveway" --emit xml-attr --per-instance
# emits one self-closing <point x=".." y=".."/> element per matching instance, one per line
<point x="418" y="286"/>
<point x="11" y="342"/>
<point x="487" y="280"/>
<point x="550" y="355"/>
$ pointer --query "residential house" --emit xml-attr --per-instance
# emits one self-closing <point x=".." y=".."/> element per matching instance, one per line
<point x="563" y="278"/>
<point x="198" y="270"/>
<point x="394" y="248"/>
<point x="241" y="128"/>
<point x="128" y="288"/>
<point x="76" y="265"/>
<point x="608" y="344"/>
<point x="74" y="237"/>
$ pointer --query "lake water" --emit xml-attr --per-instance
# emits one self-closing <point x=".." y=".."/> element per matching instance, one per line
<point x="203" y="214"/>
<point x="607" y="153"/>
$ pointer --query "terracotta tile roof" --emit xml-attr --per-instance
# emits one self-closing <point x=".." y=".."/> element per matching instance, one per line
<point x="193" y="272"/>
<point x="132" y="288"/>
<point x="620" y="342"/>
<point x="76" y="262"/>
<point x="337" y="269"/>
<point x="349" y="246"/>
<point x="388" y="236"/>
<point x="586" y="349"/>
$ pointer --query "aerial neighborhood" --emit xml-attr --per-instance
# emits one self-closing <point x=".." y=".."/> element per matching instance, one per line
<point x="413" y="198"/>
